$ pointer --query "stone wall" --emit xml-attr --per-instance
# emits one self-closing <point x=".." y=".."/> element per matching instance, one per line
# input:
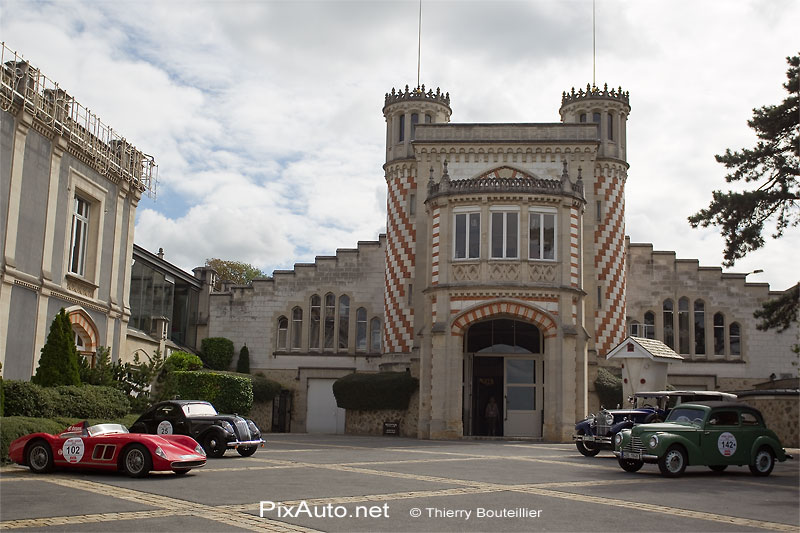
<point x="261" y="414"/>
<point x="781" y="414"/>
<point x="371" y="422"/>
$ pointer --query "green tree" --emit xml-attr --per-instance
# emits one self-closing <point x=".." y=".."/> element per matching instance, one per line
<point x="58" y="364"/>
<point x="243" y="364"/>
<point x="773" y="169"/>
<point x="235" y="271"/>
<point x="103" y="371"/>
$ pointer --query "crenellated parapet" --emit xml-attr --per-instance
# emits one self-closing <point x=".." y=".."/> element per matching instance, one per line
<point x="595" y="92"/>
<point x="418" y="93"/>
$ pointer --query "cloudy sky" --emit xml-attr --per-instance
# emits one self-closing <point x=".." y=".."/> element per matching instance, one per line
<point x="265" y="117"/>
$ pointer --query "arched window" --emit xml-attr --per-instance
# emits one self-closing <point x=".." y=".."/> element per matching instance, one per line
<point x="649" y="325"/>
<point x="583" y="117"/>
<point x="414" y="122"/>
<point x="361" y="329"/>
<point x="313" y="325"/>
<point x="699" y="328"/>
<point x="683" y="325"/>
<point x="375" y="335"/>
<point x="344" y="321"/>
<point x="283" y="334"/>
<point x="330" y="321"/>
<point x="719" y="334"/>
<point x="297" y="327"/>
<point x="610" y="119"/>
<point x="735" y="340"/>
<point x="669" y="324"/>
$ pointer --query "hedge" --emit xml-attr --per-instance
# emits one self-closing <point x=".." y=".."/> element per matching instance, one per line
<point x="264" y="389"/>
<point x="384" y="390"/>
<point x="217" y="353"/>
<point x="182" y="361"/>
<point x="608" y="388"/>
<point x="14" y="427"/>
<point x="23" y="398"/>
<point x="229" y="393"/>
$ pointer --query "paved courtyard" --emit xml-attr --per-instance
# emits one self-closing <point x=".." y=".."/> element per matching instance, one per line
<point x="345" y="483"/>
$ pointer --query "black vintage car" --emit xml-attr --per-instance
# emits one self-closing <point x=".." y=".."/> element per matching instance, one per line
<point x="215" y="432"/>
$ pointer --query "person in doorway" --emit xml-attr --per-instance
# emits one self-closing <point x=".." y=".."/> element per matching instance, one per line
<point x="491" y="414"/>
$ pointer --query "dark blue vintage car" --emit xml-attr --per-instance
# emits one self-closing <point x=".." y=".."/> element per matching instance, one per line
<point x="596" y="432"/>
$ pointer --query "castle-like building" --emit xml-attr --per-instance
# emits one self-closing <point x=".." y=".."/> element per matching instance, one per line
<point x="505" y="273"/>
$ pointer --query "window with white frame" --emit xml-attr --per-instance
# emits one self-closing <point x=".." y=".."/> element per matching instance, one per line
<point x="542" y="234"/>
<point x="314" y="322"/>
<point x="344" y="321"/>
<point x="283" y="333"/>
<point x="79" y="238"/>
<point x="297" y="327"/>
<point x="504" y="233"/>
<point x="329" y="327"/>
<point x="375" y="335"/>
<point x="467" y="243"/>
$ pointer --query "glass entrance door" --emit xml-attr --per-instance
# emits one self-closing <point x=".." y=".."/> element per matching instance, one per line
<point x="523" y="397"/>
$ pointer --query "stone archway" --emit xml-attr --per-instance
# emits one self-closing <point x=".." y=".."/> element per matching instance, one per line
<point x="85" y="332"/>
<point x="510" y="308"/>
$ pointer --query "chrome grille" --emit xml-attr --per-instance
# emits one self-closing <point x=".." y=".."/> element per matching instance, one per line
<point x="242" y="429"/>
<point x="601" y="430"/>
<point x="634" y="445"/>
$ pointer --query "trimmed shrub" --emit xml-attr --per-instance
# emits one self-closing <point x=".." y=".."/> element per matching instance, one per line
<point x="264" y="389"/>
<point x="89" y="401"/>
<point x="608" y="388"/>
<point x="182" y="361"/>
<point x="58" y="364"/>
<point x="243" y="364"/>
<point x="217" y="353"/>
<point x="384" y="390"/>
<point x="229" y="393"/>
<point x="103" y="371"/>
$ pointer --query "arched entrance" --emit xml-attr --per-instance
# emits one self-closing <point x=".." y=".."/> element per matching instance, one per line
<point x="504" y="365"/>
<point x="85" y="333"/>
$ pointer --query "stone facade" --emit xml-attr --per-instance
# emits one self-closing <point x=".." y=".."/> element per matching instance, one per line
<point x="707" y="317"/>
<point x="371" y="422"/>
<point x="68" y="202"/>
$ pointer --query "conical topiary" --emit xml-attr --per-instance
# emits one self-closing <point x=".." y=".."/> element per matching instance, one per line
<point x="58" y="364"/>
<point x="243" y="364"/>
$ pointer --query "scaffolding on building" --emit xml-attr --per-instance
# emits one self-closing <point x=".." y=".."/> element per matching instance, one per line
<point x="24" y="86"/>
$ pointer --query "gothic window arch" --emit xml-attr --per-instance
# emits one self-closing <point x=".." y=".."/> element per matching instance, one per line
<point x="283" y="334"/>
<point x="719" y="334"/>
<point x="329" y="324"/>
<point x="735" y="339"/>
<point x="297" y="328"/>
<point x="375" y="334"/>
<point x="361" y="329"/>
<point x="668" y="311"/>
<point x="699" y="327"/>
<point x="344" y="322"/>
<point x="315" y="315"/>
<point x="683" y="325"/>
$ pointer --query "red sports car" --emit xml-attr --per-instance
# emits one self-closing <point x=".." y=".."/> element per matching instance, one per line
<point x="107" y="447"/>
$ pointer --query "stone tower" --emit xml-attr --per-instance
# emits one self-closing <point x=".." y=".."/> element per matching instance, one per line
<point x="403" y="110"/>
<point x="604" y="259"/>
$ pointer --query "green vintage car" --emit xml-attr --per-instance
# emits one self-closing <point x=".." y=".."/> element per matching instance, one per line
<point x="715" y="434"/>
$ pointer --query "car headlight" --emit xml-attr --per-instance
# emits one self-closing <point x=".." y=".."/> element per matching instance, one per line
<point x="617" y="439"/>
<point x="159" y="452"/>
<point x="253" y="428"/>
<point x="224" y="424"/>
<point x="653" y="442"/>
<point x="199" y="450"/>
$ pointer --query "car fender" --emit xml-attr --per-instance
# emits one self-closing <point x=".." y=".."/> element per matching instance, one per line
<point x="619" y="426"/>
<point x="766" y="440"/>
<point x="213" y="429"/>
<point x="586" y="426"/>
<point x="665" y="440"/>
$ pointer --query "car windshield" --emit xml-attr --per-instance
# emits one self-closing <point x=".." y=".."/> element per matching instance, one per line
<point x="686" y="415"/>
<point x="199" y="409"/>
<point x="106" y="429"/>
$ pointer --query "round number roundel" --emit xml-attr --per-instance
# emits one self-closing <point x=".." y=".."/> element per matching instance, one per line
<point x="164" y="428"/>
<point x="73" y="449"/>
<point x="726" y="444"/>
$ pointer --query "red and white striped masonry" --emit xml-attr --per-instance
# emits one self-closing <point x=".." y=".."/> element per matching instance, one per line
<point x="400" y="261"/>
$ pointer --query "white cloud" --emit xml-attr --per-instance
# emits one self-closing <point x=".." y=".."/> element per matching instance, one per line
<point x="265" y="117"/>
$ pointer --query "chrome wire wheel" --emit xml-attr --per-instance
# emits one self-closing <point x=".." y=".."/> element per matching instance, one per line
<point x="40" y="458"/>
<point x="136" y="461"/>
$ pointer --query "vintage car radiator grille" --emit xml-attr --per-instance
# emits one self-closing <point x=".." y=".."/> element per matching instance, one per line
<point x="634" y="445"/>
<point x="242" y="429"/>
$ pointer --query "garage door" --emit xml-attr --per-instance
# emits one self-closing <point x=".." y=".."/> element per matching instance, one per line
<point x="322" y="414"/>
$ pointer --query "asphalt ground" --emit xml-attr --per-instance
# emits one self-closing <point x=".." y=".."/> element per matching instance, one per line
<point x="384" y="484"/>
